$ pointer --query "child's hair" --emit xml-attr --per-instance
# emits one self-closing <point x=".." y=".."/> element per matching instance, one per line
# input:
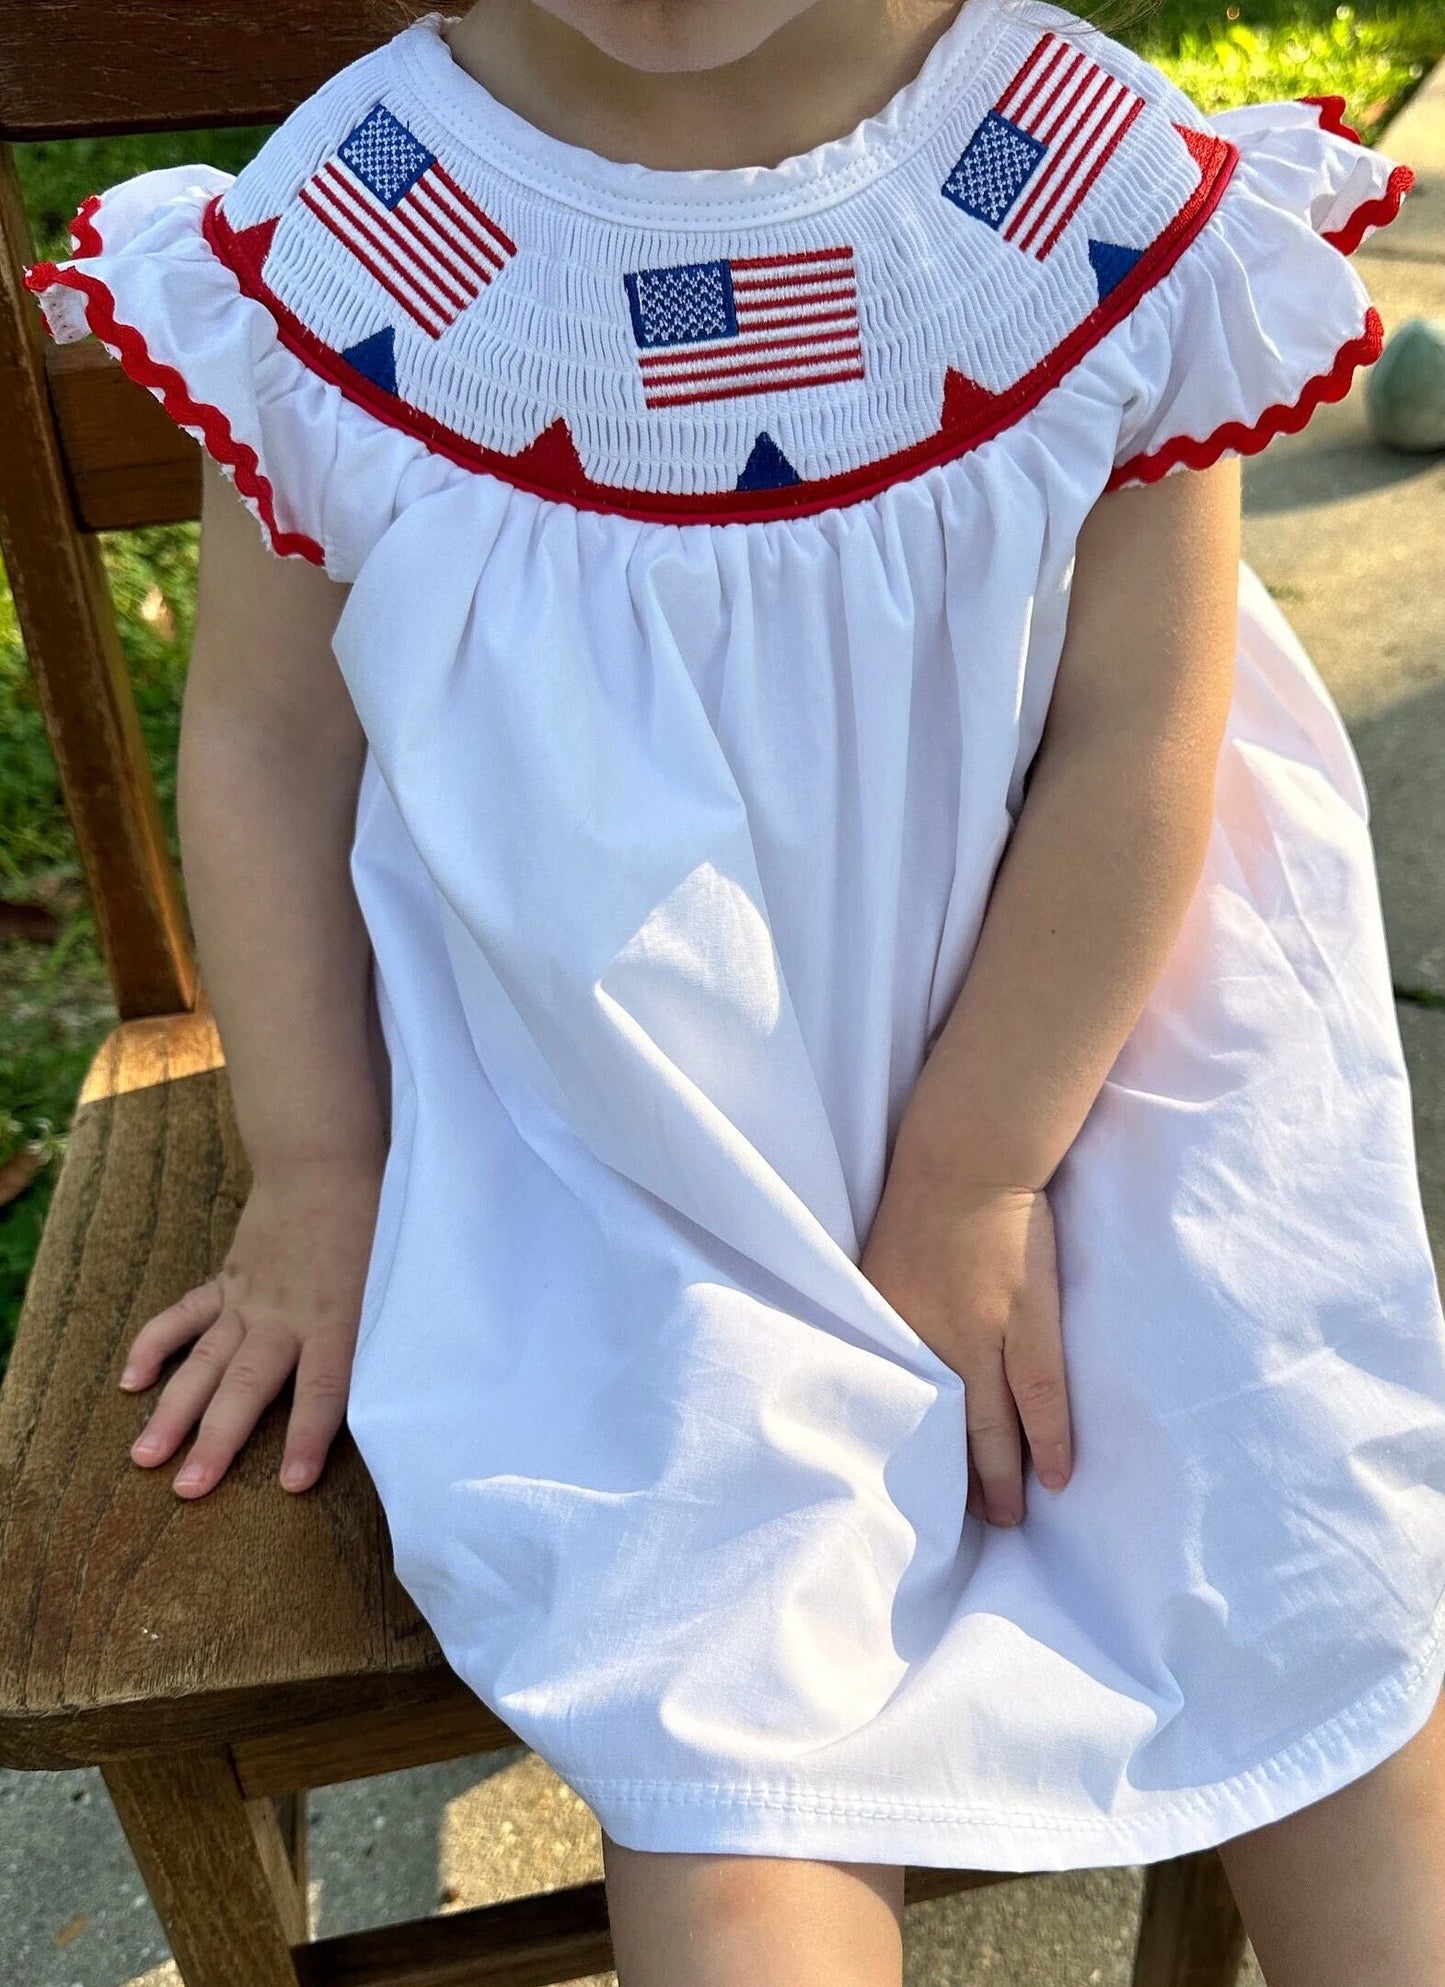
<point x="390" y="16"/>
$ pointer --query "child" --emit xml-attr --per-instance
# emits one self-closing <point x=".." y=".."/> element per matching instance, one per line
<point x="877" y="951"/>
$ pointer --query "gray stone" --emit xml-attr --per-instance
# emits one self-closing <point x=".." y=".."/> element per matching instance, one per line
<point x="1405" y="390"/>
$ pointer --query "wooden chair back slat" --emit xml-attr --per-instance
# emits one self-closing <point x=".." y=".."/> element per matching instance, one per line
<point x="128" y="462"/>
<point x="87" y="450"/>
<point x="76" y="68"/>
<point x="67" y="621"/>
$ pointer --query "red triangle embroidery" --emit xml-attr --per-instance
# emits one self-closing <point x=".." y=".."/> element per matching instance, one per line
<point x="1203" y="146"/>
<point x="553" y="460"/>
<point x="965" y="402"/>
<point x="251" y="246"/>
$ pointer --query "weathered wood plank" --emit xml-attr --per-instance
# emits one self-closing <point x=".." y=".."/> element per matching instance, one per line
<point x="68" y="625"/>
<point x="1190" y="1930"/>
<point x="155" y="65"/>
<point x="293" y="1819"/>
<point x="215" y="1866"/>
<point x="521" y="1942"/>
<point x="132" y="1615"/>
<point x="128" y="462"/>
<point x="524" y="1941"/>
<point x="355" y="1745"/>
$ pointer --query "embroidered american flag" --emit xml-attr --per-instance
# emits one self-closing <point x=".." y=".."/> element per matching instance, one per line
<point x="395" y="206"/>
<point x="751" y="324"/>
<point x="1029" y="164"/>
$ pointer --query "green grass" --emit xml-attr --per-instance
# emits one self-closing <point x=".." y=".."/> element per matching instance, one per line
<point x="54" y="999"/>
<point x="1257" y="50"/>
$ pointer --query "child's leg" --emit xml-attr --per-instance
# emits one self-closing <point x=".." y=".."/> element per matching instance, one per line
<point x="1350" y="1891"/>
<point x="752" y="1921"/>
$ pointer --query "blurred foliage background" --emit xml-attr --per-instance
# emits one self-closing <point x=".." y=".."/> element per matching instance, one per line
<point x="54" y="1000"/>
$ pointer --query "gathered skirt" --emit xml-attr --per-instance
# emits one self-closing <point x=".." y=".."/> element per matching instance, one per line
<point x="680" y="1493"/>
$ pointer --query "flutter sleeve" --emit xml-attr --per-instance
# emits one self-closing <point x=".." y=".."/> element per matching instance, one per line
<point x="205" y="285"/>
<point x="142" y="277"/>
<point x="1262" y="318"/>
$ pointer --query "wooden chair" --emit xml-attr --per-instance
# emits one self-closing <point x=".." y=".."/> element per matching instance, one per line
<point x="216" y="1659"/>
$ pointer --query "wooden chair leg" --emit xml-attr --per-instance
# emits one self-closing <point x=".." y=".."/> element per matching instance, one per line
<point x="1190" y="1930"/>
<point x="291" y="1819"/>
<point x="216" y="1866"/>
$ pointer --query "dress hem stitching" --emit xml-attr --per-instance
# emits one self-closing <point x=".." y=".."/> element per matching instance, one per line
<point x="750" y="1794"/>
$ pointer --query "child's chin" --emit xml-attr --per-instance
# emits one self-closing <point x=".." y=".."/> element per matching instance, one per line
<point x="673" y="37"/>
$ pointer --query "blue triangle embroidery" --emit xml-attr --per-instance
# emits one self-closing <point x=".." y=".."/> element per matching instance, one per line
<point x="767" y="468"/>
<point x="1111" y="264"/>
<point x="375" y="359"/>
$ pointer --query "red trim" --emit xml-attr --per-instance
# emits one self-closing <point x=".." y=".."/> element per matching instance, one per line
<point x="83" y="231"/>
<point x="129" y="346"/>
<point x="1380" y="209"/>
<point x="1376" y="212"/>
<point x="1235" y="437"/>
<point x="1239" y="438"/>
<point x="984" y="415"/>
<point x="1333" y="117"/>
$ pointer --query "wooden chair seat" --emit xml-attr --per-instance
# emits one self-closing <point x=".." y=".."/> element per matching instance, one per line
<point x="250" y="1609"/>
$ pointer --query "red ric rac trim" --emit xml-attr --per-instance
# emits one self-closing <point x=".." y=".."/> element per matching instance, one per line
<point x="1377" y="212"/>
<point x="130" y="347"/>
<point x="83" y="231"/>
<point x="1332" y="117"/>
<point x="1239" y="438"/>
<point x="564" y="477"/>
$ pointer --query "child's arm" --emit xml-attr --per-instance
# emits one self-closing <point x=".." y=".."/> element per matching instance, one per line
<point x="270" y="756"/>
<point x="1088" y="901"/>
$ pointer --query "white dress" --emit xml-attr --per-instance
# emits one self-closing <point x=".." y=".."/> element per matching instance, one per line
<point x="709" y="536"/>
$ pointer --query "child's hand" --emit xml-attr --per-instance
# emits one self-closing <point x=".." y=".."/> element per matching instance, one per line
<point x="288" y="1296"/>
<point x="974" y="1271"/>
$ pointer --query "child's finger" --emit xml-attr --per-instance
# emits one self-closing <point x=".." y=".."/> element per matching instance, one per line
<point x="186" y="1392"/>
<point x="161" y="1335"/>
<point x="253" y="1377"/>
<point x="992" y="1423"/>
<point x="1033" y="1357"/>
<point x="323" y="1378"/>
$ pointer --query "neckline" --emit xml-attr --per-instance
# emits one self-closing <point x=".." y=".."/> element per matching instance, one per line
<point x="697" y="196"/>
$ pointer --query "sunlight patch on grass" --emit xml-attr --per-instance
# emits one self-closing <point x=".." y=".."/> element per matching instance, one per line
<point x="1369" y="59"/>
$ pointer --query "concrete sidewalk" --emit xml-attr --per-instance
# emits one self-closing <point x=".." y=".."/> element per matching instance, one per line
<point x="1349" y="539"/>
